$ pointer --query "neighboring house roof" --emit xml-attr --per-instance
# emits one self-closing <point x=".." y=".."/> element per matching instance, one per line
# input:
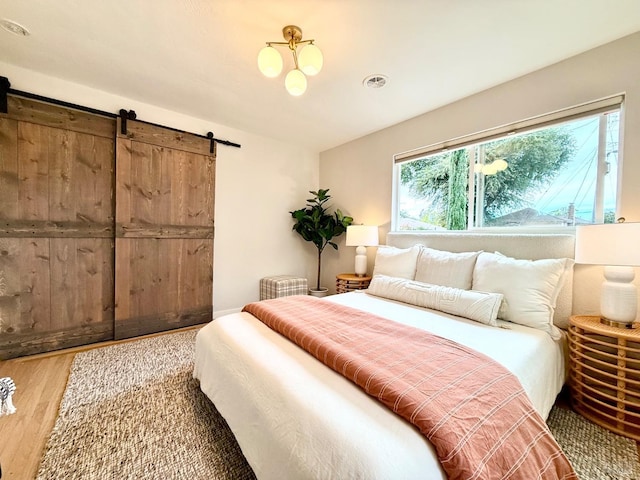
<point x="412" y="224"/>
<point x="530" y="216"/>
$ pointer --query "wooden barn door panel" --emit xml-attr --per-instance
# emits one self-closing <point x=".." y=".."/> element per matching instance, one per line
<point x="56" y="228"/>
<point x="82" y="294"/>
<point x="24" y="293"/>
<point x="164" y="230"/>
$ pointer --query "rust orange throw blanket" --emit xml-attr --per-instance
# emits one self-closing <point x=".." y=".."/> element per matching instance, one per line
<point x="473" y="410"/>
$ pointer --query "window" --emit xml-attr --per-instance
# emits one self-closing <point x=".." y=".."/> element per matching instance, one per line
<point x="558" y="170"/>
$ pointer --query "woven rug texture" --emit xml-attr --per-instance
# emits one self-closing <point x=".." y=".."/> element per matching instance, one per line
<point x="134" y="411"/>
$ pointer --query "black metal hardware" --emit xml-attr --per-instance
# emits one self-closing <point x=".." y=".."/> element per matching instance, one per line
<point x="60" y="103"/>
<point x="124" y="116"/>
<point x="5" y="86"/>
<point x="123" y="121"/>
<point x="217" y="140"/>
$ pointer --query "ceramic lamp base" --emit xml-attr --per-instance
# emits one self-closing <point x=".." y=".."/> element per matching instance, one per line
<point x="619" y="299"/>
<point x="361" y="261"/>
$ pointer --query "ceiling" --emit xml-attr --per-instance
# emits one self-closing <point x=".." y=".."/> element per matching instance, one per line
<point x="198" y="57"/>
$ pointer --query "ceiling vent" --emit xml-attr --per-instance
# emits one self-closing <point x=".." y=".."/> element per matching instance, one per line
<point x="375" y="81"/>
<point x="13" y="27"/>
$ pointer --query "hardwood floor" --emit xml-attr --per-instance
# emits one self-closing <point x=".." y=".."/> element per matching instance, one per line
<point x="40" y="383"/>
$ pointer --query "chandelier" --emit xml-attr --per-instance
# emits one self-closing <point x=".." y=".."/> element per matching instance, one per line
<point x="491" y="168"/>
<point x="308" y="62"/>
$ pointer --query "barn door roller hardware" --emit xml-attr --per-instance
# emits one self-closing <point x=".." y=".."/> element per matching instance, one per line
<point x="124" y="116"/>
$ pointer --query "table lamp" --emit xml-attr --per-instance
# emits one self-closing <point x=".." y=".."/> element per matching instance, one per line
<point x="617" y="247"/>
<point x="361" y="236"/>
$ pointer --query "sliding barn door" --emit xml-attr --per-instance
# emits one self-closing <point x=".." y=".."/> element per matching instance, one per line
<point x="164" y="229"/>
<point x="56" y="228"/>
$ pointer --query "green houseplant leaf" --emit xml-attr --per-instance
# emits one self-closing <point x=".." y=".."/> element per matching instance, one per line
<point x="315" y="224"/>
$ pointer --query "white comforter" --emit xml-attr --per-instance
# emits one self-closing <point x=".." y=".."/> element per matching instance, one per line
<point x="294" y="418"/>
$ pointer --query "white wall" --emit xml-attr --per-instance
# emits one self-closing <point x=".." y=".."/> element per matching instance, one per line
<point x="256" y="186"/>
<point x="359" y="173"/>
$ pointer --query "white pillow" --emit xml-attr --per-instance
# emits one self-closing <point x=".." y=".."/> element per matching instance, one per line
<point x="530" y="288"/>
<point x="450" y="269"/>
<point x="563" y="298"/>
<point x="396" y="262"/>
<point x="479" y="306"/>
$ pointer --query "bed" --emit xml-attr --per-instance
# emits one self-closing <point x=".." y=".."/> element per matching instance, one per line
<point x="295" y="418"/>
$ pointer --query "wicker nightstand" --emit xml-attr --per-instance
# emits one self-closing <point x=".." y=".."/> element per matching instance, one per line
<point x="604" y="374"/>
<point x="348" y="282"/>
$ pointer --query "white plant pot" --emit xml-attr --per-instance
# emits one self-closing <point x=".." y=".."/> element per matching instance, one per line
<point x="323" y="292"/>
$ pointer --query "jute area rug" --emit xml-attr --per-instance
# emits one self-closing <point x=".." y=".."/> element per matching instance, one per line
<point x="133" y="411"/>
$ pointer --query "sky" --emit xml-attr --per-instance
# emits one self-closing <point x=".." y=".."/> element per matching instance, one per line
<point x="576" y="183"/>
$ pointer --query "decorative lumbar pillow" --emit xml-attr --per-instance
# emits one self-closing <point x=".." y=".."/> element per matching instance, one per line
<point x="449" y="269"/>
<point x="530" y="288"/>
<point x="396" y="262"/>
<point x="479" y="306"/>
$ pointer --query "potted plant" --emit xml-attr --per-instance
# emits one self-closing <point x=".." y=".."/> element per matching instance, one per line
<point x="315" y="224"/>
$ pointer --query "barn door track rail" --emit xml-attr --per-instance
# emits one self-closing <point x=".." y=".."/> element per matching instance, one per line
<point x="5" y="89"/>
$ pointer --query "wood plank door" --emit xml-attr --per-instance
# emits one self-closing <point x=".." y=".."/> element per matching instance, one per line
<point x="56" y="228"/>
<point x="164" y="229"/>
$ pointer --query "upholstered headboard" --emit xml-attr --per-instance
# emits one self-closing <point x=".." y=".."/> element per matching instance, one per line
<point x="524" y="246"/>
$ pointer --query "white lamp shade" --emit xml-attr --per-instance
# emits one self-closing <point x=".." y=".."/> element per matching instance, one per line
<point x="362" y="236"/>
<point x="295" y="82"/>
<point x="310" y="60"/>
<point x="270" y="62"/>
<point x="614" y="245"/>
<point x="608" y="244"/>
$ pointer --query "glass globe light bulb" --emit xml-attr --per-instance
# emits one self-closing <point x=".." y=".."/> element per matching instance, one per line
<point x="500" y="164"/>
<point x="270" y="62"/>
<point x="489" y="169"/>
<point x="295" y="82"/>
<point x="310" y="59"/>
